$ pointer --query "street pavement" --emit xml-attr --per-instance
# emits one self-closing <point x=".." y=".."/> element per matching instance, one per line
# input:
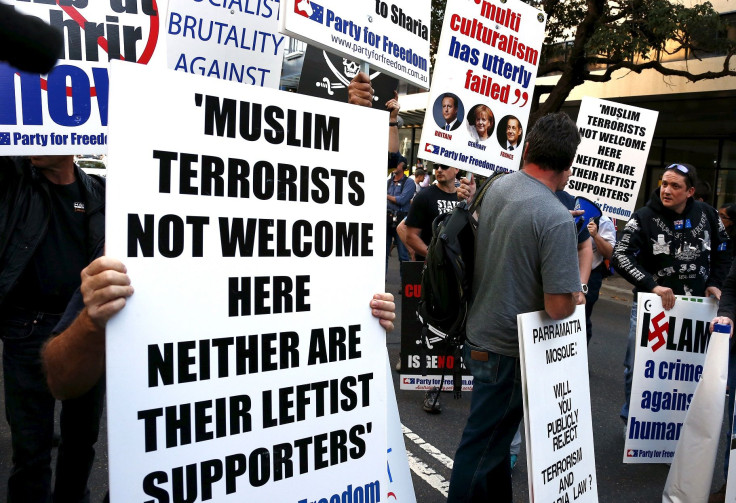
<point x="431" y="440"/>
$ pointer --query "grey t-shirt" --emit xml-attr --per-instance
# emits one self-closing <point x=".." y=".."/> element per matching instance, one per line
<point x="526" y="247"/>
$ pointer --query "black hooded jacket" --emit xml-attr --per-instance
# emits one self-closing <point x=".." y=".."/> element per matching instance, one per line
<point x="25" y="203"/>
<point x="685" y="252"/>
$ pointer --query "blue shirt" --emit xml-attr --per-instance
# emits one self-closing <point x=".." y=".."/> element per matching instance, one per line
<point x="403" y="191"/>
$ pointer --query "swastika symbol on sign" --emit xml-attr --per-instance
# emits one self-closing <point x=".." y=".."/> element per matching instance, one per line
<point x="659" y="331"/>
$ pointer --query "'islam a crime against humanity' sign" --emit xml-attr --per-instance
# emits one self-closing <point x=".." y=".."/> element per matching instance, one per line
<point x="557" y="416"/>
<point x="670" y="355"/>
<point x="482" y="85"/>
<point x="232" y="373"/>
<point x="612" y="156"/>
<point x="390" y="36"/>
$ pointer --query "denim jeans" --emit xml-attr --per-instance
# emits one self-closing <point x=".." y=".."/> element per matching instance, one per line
<point x="629" y="363"/>
<point x="391" y="236"/>
<point x="29" y="409"/>
<point x="481" y="470"/>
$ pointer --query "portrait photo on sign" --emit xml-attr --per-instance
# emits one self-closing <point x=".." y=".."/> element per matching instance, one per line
<point x="510" y="133"/>
<point x="448" y="111"/>
<point x="481" y="122"/>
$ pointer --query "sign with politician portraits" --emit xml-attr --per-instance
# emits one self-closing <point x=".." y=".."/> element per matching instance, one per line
<point x="612" y="156"/>
<point x="232" y="372"/>
<point x="389" y="35"/>
<point x="482" y="85"/>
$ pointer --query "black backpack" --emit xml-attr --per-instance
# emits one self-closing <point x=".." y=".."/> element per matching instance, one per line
<point x="447" y="282"/>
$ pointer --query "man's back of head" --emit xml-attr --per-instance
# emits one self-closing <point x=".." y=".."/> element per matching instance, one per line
<point x="552" y="142"/>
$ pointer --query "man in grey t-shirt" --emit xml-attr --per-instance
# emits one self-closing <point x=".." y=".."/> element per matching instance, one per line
<point x="526" y="261"/>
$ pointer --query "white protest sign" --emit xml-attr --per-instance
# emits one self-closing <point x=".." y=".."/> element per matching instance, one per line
<point x="66" y="111"/>
<point x="482" y="85"/>
<point x="557" y="418"/>
<point x="400" y="486"/>
<point x="691" y="473"/>
<point x="393" y="37"/>
<point x="731" y="490"/>
<point x="247" y="365"/>
<point x="612" y="156"/>
<point x="237" y="41"/>
<point x="670" y="354"/>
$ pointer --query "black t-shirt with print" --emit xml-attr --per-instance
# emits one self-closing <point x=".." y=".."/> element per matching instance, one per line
<point x="427" y="205"/>
<point x="52" y="275"/>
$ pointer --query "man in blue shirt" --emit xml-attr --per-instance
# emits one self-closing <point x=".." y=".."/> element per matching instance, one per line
<point x="399" y="192"/>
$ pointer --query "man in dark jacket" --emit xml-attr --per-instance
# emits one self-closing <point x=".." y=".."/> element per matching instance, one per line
<point x="51" y="222"/>
<point x="672" y="246"/>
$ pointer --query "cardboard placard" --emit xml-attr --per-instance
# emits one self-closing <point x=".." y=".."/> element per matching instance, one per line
<point x="233" y="371"/>
<point x="482" y="85"/>
<point x="557" y="417"/>
<point x="393" y="37"/>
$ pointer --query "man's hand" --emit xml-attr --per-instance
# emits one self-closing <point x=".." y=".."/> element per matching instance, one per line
<point x="712" y="291"/>
<point x="723" y="320"/>
<point x="579" y="298"/>
<point x="360" y="91"/>
<point x="592" y="229"/>
<point x="668" y="297"/>
<point x="105" y="286"/>
<point x="383" y="308"/>
<point x="393" y="107"/>
<point x="466" y="190"/>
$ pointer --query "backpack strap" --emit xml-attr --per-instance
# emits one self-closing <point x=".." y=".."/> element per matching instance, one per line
<point x="480" y="194"/>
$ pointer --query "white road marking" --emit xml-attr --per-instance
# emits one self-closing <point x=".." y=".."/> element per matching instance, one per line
<point x="434" y="451"/>
<point x="427" y="474"/>
<point x="423" y="470"/>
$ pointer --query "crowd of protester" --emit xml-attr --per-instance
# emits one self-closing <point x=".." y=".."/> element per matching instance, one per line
<point x="58" y="290"/>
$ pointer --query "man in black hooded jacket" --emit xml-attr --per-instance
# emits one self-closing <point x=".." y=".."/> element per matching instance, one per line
<point x="51" y="222"/>
<point x="672" y="246"/>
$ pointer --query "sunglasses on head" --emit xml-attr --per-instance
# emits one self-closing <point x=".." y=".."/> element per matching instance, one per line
<point x="684" y="170"/>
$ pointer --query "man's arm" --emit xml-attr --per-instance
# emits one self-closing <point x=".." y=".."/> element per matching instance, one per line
<point x="75" y="359"/>
<point x="407" y="192"/>
<point x="585" y="264"/>
<point x="560" y="305"/>
<point x="393" y="108"/>
<point x="625" y="253"/>
<point x="604" y="237"/>
<point x="625" y="262"/>
<point x="360" y="92"/>
<point x="414" y="240"/>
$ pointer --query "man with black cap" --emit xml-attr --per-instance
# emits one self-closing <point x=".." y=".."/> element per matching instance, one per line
<point x="672" y="246"/>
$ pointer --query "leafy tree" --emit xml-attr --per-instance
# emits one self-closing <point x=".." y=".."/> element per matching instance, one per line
<point x="588" y="40"/>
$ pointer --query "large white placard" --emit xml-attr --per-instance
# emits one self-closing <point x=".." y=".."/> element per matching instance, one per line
<point x="247" y="365"/>
<point x="237" y="41"/>
<point x="400" y="486"/>
<point x="486" y="63"/>
<point x="557" y="418"/>
<point x="610" y="161"/>
<point x="66" y="111"/>
<point x="670" y="354"/>
<point x="391" y="36"/>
